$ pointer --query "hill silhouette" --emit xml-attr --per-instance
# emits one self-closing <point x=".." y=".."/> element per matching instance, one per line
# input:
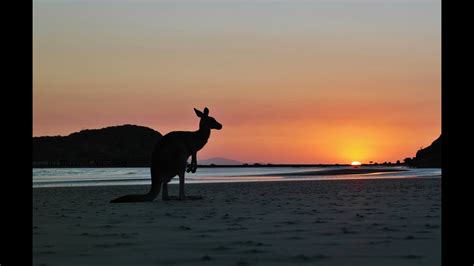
<point x="131" y="146"/>
<point x="125" y="145"/>
<point x="429" y="157"/>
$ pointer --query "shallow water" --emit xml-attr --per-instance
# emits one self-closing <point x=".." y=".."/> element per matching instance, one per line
<point x="67" y="177"/>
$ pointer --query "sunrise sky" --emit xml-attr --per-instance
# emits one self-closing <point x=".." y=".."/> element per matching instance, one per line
<point x="291" y="81"/>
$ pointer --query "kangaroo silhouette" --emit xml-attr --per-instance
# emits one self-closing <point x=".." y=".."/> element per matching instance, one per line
<point x="170" y="155"/>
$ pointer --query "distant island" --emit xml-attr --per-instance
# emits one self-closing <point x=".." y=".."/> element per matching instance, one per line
<point x="219" y="161"/>
<point x="131" y="146"/>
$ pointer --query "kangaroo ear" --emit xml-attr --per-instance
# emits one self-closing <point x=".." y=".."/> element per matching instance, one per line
<point x="198" y="113"/>
<point x="206" y="111"/>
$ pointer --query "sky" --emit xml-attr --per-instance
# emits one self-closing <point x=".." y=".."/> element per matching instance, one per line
<point x="291" y="81"/>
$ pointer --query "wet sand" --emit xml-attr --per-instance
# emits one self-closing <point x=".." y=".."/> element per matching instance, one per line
<point x="328" y="222"/>
<point x="345" y="171"/>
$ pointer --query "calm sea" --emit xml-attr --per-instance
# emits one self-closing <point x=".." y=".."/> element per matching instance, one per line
<point x="67" y="177"/>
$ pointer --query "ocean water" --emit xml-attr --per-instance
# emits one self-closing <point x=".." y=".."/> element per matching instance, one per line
<point x="67" y="177"/>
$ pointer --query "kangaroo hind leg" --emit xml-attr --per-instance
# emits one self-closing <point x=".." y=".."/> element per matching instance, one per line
<point x="181" y="187"/>
<point x="164" y="194"/>
<point x="181" y="184"/>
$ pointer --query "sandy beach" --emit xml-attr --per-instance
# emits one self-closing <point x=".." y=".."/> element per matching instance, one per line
<point x="336" y="222"/>
<point x="342" y="171"/>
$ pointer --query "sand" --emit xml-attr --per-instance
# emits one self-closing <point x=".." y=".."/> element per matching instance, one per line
<point x="344" y="171"/>
<point x="336" y="222"/>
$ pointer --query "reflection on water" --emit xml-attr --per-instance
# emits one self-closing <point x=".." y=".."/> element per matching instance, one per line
<point x="61" y="177"/>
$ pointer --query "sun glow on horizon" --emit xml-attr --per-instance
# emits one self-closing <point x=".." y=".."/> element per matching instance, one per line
<point x="356" y="163"/>
<point x="289" y="90"/>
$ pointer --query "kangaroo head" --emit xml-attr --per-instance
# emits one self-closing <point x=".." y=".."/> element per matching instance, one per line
<point x="207" y="122"/>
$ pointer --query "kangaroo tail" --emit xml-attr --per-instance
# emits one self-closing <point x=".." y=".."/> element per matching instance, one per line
<point x="150" y="196"/>
<point x="131" y="198"/>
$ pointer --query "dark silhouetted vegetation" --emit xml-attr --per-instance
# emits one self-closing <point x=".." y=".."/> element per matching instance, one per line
<point x="124" y="146"/>
<point x="429" y="157"/>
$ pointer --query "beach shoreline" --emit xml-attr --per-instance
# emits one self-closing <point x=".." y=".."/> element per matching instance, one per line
<point x="328" y="222"/>
<point x="344" y="171"/>
<point x="141" y="176"/>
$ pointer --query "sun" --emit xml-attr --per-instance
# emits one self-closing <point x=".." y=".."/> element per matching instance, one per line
<point x="355" y="163"/>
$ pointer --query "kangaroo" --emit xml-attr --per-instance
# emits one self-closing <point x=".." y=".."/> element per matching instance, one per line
<point x="170" y="156"/>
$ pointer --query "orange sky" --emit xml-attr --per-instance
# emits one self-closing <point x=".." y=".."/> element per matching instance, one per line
<point x="297" y="82"/>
